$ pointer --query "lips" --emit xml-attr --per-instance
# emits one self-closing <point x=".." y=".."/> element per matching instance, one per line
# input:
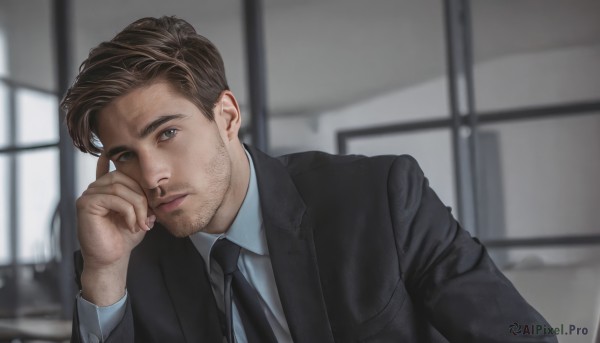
<point x="171" y="203"/>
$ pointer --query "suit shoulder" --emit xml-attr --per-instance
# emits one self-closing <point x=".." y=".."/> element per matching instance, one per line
<point x="299" y="163"/>
<point x="406" y="165"/>
<point x="308" y="160"/>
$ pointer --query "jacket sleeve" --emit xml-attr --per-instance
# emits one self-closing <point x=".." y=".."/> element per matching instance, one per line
<point x="449" y="274"/>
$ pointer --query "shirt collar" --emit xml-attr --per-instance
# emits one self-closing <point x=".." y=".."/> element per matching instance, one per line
<point x="246" y="230"/>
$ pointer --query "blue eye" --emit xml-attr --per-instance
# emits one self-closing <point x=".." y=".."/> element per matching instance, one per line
<point x="168" y="134"/>
<point x="124" y="157"/>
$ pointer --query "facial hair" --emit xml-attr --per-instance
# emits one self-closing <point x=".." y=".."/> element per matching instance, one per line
<point x="181" y="223"/>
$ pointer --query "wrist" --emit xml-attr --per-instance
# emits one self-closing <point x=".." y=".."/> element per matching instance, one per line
<point x="104" y="286"/>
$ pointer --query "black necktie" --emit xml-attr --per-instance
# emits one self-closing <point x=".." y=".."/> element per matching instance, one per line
<point x="255" y="322"/>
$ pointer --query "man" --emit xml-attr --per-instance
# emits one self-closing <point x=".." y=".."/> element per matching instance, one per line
<point x="325" y="248"/>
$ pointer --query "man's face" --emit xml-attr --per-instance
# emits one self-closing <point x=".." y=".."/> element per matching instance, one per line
<point x="160" y="139"/>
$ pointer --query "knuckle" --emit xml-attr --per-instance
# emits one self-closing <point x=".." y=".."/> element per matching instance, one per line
<point x="111" y="177"/>
<point x="130" y="210"/>
<point x="80" y="202"/>
<point x="142" y="201"/>
<point x="113" y="188"/>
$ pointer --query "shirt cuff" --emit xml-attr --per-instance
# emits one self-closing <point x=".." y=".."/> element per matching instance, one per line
<point x="97" y="322"/>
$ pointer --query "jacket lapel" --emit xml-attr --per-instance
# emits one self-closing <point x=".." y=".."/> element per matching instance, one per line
<point x="188" y="286"/>
<point x="292" y="251"/>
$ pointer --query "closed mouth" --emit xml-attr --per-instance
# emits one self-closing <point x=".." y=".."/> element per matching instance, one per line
<point x="171" y="202"/>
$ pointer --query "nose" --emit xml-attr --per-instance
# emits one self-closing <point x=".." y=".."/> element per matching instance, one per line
<point x="154" y="170"/>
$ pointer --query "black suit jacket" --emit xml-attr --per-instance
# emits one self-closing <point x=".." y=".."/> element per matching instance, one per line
<point x="362" y="251"/>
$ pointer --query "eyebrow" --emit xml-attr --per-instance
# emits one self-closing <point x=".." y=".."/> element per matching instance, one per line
<point x="156" y="123"/>
<point x="147" y="130"/>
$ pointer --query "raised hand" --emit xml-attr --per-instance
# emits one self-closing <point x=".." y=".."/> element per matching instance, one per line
<point x="113" y="217"/>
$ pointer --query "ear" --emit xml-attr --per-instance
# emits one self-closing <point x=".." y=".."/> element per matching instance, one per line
<point x="227" y="116"/>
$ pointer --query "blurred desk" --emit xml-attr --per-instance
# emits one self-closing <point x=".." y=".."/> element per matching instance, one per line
<point x="53" y="330"/>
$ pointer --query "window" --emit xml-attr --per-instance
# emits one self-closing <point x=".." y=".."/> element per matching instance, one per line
<point x="29" y="170"/>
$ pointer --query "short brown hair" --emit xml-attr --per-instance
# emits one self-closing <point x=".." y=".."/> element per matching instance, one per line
<point x="149" y="49"/>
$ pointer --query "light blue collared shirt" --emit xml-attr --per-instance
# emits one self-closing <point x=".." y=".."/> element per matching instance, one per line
<point x="254" y="263"/>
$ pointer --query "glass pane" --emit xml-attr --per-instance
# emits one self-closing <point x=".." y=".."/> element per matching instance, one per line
<point x="3" y="53"/>
<point x="3" y="92"/>
<point x="38" y="189"/>
<point x="85" y="171"/>
<point x="4" y="141"/>
<point x="37" y="117"/>
<point x="547" y="177"/>
<point x="4" y="222"/>
<point x="531" y="53"/>
<point x="432" y="150"/>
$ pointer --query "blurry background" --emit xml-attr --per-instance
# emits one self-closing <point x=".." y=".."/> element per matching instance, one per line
<point x="499" y="101"/>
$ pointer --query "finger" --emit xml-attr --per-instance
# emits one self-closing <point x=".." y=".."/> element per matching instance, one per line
<point x="102" y="166"/>
<point x="102" y="204"/>
<point x="151" y="218"/>
<point x="117" y="177"/>
<point x="139" y="202"/>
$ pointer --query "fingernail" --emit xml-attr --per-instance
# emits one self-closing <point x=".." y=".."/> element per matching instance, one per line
<point x="152" y="221"/>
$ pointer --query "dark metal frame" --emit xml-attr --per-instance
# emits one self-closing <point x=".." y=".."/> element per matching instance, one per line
<point x="16" y="84"/>
<point x="460" y="64"/>
<point x="62" y="35"/>
<point x="11" y="149"/>
<point x="257" y="74"/>
<point x="457" y="30"/>
<point x="486" y="117"/>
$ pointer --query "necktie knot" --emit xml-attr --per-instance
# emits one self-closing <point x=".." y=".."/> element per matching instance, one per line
<point x="226" y="254"/>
